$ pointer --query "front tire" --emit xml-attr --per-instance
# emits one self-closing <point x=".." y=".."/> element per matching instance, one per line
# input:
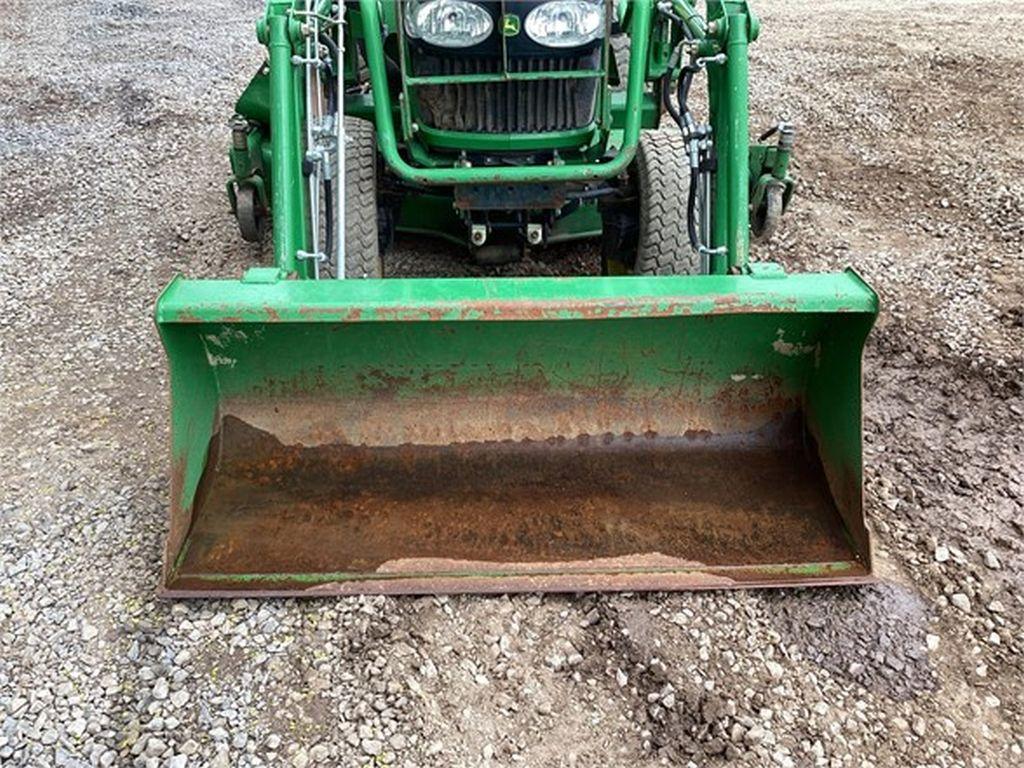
<point x="362" y="233"/>
<point x="662" y="178"/>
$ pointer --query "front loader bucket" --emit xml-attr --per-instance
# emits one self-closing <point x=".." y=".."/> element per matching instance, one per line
<point x="515" y="434"/>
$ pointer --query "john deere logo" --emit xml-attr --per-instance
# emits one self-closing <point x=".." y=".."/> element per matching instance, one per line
<point x="510" y="25"/>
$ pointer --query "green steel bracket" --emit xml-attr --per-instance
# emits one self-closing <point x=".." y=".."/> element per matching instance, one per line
<point x="723" y="13"/>
<point x="262" y="275"/>
<point x="521" y="142"/>
<point x="685" y="10"/>
<point x="650" y="110"/>
<point x="254" y="103"/>
<point x="767" y="270"/>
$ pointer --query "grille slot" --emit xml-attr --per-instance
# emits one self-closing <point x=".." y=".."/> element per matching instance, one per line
<point x="557" y="104"/>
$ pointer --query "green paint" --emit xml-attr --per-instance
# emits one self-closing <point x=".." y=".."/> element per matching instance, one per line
<point x="287" y="189"/>
<point x="458" y="299"/>
<point x="704" y="340"/>
<point x="641" y="15"/>
<point x="510" y="142"/>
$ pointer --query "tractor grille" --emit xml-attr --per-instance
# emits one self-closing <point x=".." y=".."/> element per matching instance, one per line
<point x="556" y="104"/>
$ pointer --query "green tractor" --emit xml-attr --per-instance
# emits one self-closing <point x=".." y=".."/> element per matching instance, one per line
<point x="688" y="418"/>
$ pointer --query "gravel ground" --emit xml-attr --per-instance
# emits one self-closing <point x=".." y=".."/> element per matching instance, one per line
<point x="112" y="143"/>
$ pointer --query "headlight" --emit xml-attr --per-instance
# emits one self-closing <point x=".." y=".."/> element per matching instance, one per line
<point x="566" y="23"/>
<point x="448" y="23"/>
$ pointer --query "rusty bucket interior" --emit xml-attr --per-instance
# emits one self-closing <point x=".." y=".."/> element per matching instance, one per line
<point x="403" y="436"/>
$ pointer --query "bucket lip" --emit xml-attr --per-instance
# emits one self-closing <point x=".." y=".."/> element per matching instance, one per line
<point x="737" y="577"/>
<point x="508" y="298"/>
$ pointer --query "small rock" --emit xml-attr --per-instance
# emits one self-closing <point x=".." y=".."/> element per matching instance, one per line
<point x="754" y="736"/>
<point x="300" y="759"/>
<point x="319" y="753"/>
<point x="488" y="751"/>
<point x="273" y="742"/>
<point x="556" y="661"/>
<point x="177" y="761"/>
<point x="991" y="561"/>
<point x="77" y="727"/>
<point x="775" y="669"/>
<point x="621" y="678"/>
<point x="398" y="742"/>
<point x="932" y="641"/>
<point x="372" y="747"/>
<point x="961" y="601"/>
<point x="161" y="688"/>
<point x="89" y="632"/>
<point x="996" y="607"/>
<point x="941" y="553"/>
<point x="856" y="669"/>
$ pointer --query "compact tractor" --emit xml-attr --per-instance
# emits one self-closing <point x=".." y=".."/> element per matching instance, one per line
<point x="685" y="417"/>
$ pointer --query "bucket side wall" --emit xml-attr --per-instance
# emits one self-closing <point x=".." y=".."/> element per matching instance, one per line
<point x="834" y="412"/>
<point x="194" y="417"/>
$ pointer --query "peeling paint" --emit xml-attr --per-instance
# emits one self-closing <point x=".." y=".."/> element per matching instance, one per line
<point x="220" y="360"/>
<point x="792" y="349"/>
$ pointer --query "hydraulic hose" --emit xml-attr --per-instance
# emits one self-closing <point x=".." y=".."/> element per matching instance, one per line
<point x="691" y="209"/>
<point x="685" y="83"/>
<point x="666" y="98"/>
<point x="684" y="119"/>
<point x="329" y="219"/>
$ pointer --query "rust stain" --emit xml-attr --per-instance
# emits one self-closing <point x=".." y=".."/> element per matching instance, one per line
<point x="341" y="314"/>
<point x="498" y="310"/>
<point x="593" y="511"/>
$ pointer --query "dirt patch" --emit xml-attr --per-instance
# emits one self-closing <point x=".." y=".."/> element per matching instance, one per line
<point x="874" y="636"/>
